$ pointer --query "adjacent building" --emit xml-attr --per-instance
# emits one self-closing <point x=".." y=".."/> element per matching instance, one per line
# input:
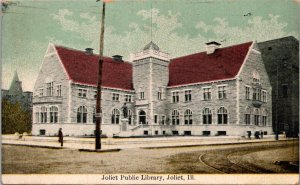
<point x="221" y="91"/>
<point x="281" y="58"/>
<point x="15" y="94"/>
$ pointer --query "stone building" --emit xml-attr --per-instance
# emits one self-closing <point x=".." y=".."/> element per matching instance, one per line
<point x="281" y="58"/>
<point x="222" y="91"/>
<point x="15" y="94"/>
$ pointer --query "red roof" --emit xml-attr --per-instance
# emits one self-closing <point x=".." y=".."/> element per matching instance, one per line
<point x="224" y="63"/>
<point x="83" y="68"/>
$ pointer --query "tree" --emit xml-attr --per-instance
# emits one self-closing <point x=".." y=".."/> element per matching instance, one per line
<point x="14" y="118"/>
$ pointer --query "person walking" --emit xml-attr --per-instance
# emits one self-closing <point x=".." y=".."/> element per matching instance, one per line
<point x="261" y="134"/>
<point x="249" y="134"/>
<point x="60" y="137"/>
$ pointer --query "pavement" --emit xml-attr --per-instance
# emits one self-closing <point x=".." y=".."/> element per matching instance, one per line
<point x="117" y="144"/>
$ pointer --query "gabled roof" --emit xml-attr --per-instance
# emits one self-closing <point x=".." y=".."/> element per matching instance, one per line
<point x="83" y="68"/>
<point x="224" y="63"/>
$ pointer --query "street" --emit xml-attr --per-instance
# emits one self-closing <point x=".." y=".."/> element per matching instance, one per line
<point x="238" y="158"/>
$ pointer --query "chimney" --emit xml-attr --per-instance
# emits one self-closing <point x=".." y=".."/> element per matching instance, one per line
<point x="89" y="51"/>
<point x="118" y="58"/>
<point x="211" y="47"/>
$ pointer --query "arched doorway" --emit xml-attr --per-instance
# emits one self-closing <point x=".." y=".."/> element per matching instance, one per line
<point x="142" y="117"/>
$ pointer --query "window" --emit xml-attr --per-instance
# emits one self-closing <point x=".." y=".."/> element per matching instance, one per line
<point x="53" y="114"/>
<point x="175" y="97"/>
<point x="188" y="119"/>
<point x="163" y="120"/>
<point x="43" y="115"/>
<point x="222" y="116"/>
<point x="95" y="94"/>
<point x="256" y="117"/>
<point x="284" y="90"/>
<point x="142" y="117"/>
<point x="222" y="92"/>
<point x="256" y="87"/>
<point x="41" y="92"/>
<point x="115" y="97"/>
<point x="175" y="117"/>
<point x="248" y="116"/>
<point x="58" y="90"/>
<point x="247" y="93"/>
<point x="37" y="115"/>
<point x="206" y="133"/>
<point x="115" y="116"/>
<point x="94" y="115"/>
<point x="155" y="118"/>
<point x="128" y="98"/>
<point x="207" y="93"/>
<point x="264" y="96"/>
<point x="49" y="87"/>
<point x="82" y="93"/>
<point x="130" y="116"/>
<point x="257" y="94"/>
<point x="81" y="114"/>
<point x="207" y="117"/>
<point x="188" y="95"/>
<point x="264" y="118"/>
<point x="142" y="95"/>
<point x="159" y="94"/>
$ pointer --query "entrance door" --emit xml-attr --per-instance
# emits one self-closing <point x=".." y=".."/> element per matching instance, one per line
<point x="142" y="117"/>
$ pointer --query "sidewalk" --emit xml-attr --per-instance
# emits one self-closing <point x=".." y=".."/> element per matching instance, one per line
<point x="116" y="144"/>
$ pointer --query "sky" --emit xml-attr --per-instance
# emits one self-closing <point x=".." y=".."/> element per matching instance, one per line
<point x="178" y="27"/>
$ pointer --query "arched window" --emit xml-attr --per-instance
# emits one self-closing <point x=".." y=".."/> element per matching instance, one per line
<point x="222" y="116"/>
<point x="256" y="86"/>
<point x="175" y="117"/>
<point x="129" y="117"/>
<point x="115" y="116"/>
<point x="81" y="114"/>
<point x="207" y="116"/>
<point x="53" y="114"/>
<point x="43" y="115"/>
<point x="142" y="117"/>
<point x="256" y="117"/>
<point x="188" y="117"/>
<point x="37" y="115"/>
<point x="248" y="116"/>
<point x="264" y="117"/>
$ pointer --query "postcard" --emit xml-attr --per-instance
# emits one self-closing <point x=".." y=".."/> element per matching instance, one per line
<point x="150" y="91"/>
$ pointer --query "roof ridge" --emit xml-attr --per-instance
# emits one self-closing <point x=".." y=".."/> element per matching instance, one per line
<point x="219" y="48"/>
<point x="81" y="51"/>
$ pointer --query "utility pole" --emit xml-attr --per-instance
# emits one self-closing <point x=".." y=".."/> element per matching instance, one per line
<point x="277" y="95"/>
<point x="99" y="84"/>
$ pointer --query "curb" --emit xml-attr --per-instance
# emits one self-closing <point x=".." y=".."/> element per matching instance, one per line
<point x="213" y="144"/>
<point x="100" y="150"/>
<point x="35" y="146"/>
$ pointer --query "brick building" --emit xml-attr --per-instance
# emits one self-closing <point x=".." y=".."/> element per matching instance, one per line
<point x="283" y="54"/>
<point x="222" y="91"/>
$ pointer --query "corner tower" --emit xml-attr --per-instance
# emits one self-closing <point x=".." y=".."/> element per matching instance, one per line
<point x="150" y="79"/>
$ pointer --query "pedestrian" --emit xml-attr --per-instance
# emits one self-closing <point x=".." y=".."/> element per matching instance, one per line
<point x="261" y="134"/>
<point x="249" y="134"/>
<point x="256" y="134"/>
<point x="60" y="137"/>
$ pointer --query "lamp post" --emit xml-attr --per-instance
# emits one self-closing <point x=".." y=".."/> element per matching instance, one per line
<point x="99" y="83"/>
